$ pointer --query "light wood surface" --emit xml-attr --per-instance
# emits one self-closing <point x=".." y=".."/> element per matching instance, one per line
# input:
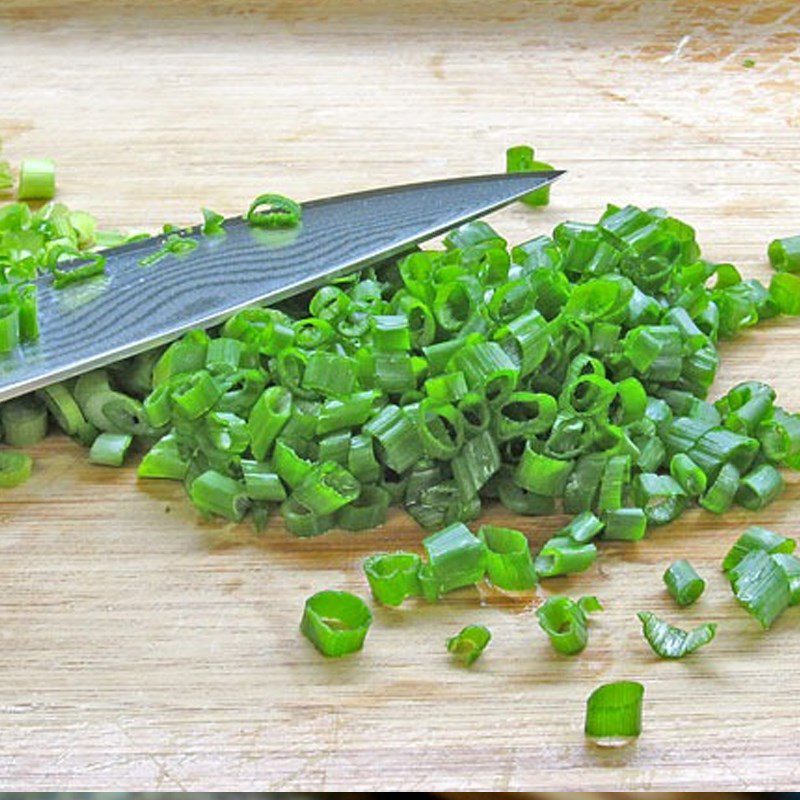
<point x="141" y="649"/>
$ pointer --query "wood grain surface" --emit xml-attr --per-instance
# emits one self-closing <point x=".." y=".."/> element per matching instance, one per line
<point x="142" y="649"/>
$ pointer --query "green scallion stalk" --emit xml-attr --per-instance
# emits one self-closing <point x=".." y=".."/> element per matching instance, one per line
<point x="215" y="493"/>
<point x="667" y="641"/>
<point x="467" y="645"/>
<point x="582" y="528"/>
<point x="566" y="622"/>
<point x="683" y="583"/>
<point x="336" y="623"/>
<point x="759" y="488"/>
<point x="614" y="712"/>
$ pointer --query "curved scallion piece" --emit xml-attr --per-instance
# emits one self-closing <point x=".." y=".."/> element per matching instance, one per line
<point x="614" y="712"/>
<point x="566" y="622"/>
<point x="393" y="577"/>
<point x="369" y="510"/>
<point x="164" y="460"/>
<point x="336" y="623"/>
<point x="668" y="641"/>
<point x="274" y="211"/>
<point x="15" y="468"/>
<point x="63" y="408"/>
<point x="468" y="645"/>
<point x="761" y="586"/>
<point x="509" y="564"/>
<point x="521" y="159"/>
<point x="683" y="583"/>
<point x="625" y="524"/>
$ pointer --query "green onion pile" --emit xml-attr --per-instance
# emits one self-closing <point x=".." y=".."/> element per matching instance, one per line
<point x="568" y="373"/>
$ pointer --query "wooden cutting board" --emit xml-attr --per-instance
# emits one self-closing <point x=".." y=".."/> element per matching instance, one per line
<point x="142" y="649"/>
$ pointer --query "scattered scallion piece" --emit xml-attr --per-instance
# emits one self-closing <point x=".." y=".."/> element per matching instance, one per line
<point x="508" y="558"/>
<point x="15" y="468"/>
<point x="668" y="641"/>
<point x="521" y="159"/>
<point x="467" y="645"/>
<point x="393" y="577"/>
<point x="566" y="622"/>
<point x="683" y="583"/>
<point x="273" y="211"/>
<point x="614" y="712"/>
<point x="336" y="623"/>
<point x="109" y="449"/>
<point x="456" y="558"/>
<point x="761" y="586"/>
<point x="757" y="538"/>
<point x="562" y="555"/>
<point x="784" y="254"/>
<point x="212" y="223"/>
<point x="37" y="179"/>
<point x="23" y="421"/>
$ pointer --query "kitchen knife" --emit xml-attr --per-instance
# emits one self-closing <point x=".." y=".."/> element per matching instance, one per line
<point x="132" y="307"/>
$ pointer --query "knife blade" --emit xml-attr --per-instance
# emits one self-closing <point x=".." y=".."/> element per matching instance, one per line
<point x="133" y="308"/>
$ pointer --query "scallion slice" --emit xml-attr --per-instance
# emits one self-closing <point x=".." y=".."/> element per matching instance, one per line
<point x="336" y="623"/>
<point x="614" y="712"/>
<point x="683" y="583"/>
<point x="467" y="645"/>
<point x="565" y="621"/>
<point x="668" y="641"/>
<point x="509" y="564"/>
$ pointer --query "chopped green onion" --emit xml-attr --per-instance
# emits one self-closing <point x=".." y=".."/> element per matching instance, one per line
<point x="720" y="494"/>
<point x="164" y="460"/>
<point x="273" y="211"/>
<point x="369" y="510"/>
<point x="467" y="645"/>
<point x="109" y="449"/>
<point x="456" y="558"/>
<point x="583" y="528"/>
<point x="661" y="497"/>
<point x="670" y="642"/>
<point x="791" y="569"/>
<point x="212" y="223"/>
<point x="23" y="421"/>
<point x="625" y="524"/>
<point x="541" y="474"/>
<point x="566" y="622"/>
<point x="761" y="586"/>
<point x="393" y="577"/>
<point x="326" y="488"/>
<point x="683" y="583"/>
<point x="614" y="712"/>
<point x="15" y="468"/>
<point x="521" y="159"/>
<point x="691" y="478"/>
<point x="508" y="558"/>
<point x="756" y="538"/>
<point x="65" y="277"/>
<point x="759" y="488"/>
<point x="261" y="483"/>
<point x="562" y="555"/>
<point x="214" y="493"/>
<point x="269" y="415"/>
<point x="37" y="179"/>
<point x="336" y="623"/>
<point x="784" y="254"/>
